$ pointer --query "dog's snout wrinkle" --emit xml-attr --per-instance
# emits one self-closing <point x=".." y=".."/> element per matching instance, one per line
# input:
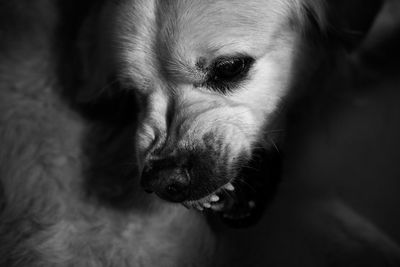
<point x="170" y="112"/>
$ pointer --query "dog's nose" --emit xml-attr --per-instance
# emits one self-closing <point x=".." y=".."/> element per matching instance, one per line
<point x="168" y="181"/>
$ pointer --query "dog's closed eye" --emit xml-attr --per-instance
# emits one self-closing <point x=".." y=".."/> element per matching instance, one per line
<point x="226" y="73"/>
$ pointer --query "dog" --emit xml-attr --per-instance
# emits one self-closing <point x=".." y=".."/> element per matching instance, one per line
<point x="211" y="81"/>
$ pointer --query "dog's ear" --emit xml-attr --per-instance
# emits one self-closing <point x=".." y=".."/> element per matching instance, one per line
<point x="346" y="20"/>
<point x="353" y="18"/>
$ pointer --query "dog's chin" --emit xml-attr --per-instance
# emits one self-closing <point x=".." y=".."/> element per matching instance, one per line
<point x="241" y="201"/>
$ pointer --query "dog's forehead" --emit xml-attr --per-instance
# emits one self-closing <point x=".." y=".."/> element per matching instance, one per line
<point x="179" y="34"/>
<point x="210" y="25"/>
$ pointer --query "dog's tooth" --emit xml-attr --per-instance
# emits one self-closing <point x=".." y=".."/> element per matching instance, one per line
<point x="252" y="204"/>
<point x="229" y="187"/>
<point x="198" y="206"/>
<point x="217" y="207"/>
<point x="214" y="198"/>
<point x="207" y="205"/>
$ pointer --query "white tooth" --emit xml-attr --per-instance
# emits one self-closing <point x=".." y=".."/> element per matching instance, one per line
<point x="214" y="198"/>
<point x="198" y="206"/>
<point x="217" y="207"/>
<point x="207" y="205"/>
<point x="252" y="204"/>
<point x="229" y="187"/>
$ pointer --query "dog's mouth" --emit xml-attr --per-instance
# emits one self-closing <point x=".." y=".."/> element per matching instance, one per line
<point x="241" y="202"/>
<point x="236" y="206"/>
<point x="215" y="201"/>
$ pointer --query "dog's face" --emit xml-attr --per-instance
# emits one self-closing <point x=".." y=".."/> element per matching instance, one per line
<point x="210" y="75"/>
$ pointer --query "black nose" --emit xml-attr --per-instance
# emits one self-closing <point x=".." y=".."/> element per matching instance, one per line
<point x="168" y="181"/>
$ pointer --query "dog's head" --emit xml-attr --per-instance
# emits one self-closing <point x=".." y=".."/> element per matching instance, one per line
<point x="211" y="76"/>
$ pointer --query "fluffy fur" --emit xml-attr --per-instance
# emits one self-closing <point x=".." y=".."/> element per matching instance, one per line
<point x="47" y="215"/>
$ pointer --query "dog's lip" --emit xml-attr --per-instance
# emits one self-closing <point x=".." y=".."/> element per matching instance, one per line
<point x="210" y="201"/>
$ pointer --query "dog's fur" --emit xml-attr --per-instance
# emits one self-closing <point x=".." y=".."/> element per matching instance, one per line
<point x="159" y="51"/>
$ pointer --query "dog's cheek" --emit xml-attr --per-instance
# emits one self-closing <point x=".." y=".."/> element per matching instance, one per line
<point x="235" y="129"/>
<point x="269" y="82"/>
<point x="237" y="145"/>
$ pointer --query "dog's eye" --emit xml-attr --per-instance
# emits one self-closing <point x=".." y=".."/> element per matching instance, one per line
<point x="229" y="69"/>
<point x="226" y="72"/>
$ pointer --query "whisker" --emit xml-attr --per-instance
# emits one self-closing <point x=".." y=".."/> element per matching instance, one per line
<point x="228" y="193"/>
<point x="274" y="144"/>
<point x="243" y="181"/>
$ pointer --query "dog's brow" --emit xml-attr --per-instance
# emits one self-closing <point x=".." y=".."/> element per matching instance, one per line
<point x="182" y="72"/>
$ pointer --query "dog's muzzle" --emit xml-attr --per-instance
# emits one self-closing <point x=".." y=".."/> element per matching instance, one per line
<point x="203" y="179"/>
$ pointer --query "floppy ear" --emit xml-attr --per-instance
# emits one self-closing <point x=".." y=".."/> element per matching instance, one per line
<point x="350" y="20"/>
